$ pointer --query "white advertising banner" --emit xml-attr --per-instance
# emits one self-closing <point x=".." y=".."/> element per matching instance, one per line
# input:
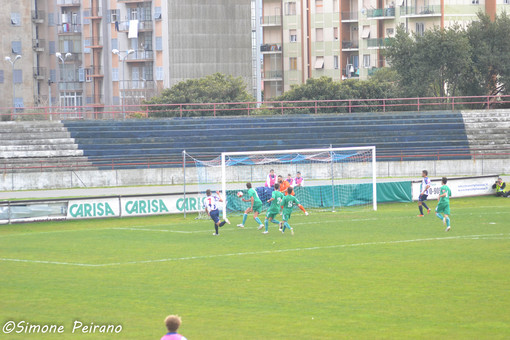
<point x="460" y="187"/>
<point x="93" y="208"/>
<point x="134" y="206"/>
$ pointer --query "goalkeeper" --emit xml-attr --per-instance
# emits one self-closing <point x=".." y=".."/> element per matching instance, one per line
<point x="274" y="209"/>
<point x="256" y="206"/>
<point x="288" y="204"/>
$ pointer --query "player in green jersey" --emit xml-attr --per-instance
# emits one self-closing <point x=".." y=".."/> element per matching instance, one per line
<point x="274" y="209"/>
<point x="256" y="206"/>
<point x="443" y="205"/>
<point x="288" y="204"/>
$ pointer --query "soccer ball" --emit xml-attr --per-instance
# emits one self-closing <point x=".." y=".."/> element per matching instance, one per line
<point x="240" y="194"/>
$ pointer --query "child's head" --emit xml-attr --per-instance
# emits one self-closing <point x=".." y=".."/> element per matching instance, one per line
<point x="280" y="178"/>
<point x="424" y="173"/>
<point x="173" y="322"/>
<point x="289" y="176"/>
<point x="444" y="180"/>
<point x="276" y="186"/>
<point x="271" y="171"/>
<point x="208" y="192"/>
<point x="298" y="174"/>
<point x="289" y="190"/>
<point x="248" y="185"/>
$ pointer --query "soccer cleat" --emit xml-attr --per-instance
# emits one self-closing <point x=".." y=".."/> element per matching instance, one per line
<point x="306" y="213"/>
<point x="265" y="232"/>
<point x="419" y="215"/>
<point x="428" y="211"/>
<point x="292" y="231"/>
<point x="214" y="234"/>
<point x="260" y="227"/>
<point x="227" y="221"/>
<point x="240" y="225"/>
<point x="447" y="229"/>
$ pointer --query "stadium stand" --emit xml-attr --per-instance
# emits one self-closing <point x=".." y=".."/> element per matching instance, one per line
<point x="416" y="136"/>
<point x="39" y="146"/>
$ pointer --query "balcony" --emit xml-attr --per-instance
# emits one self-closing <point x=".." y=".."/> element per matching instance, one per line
<point x="272" y="20"/>
<point x="38" y="17"/>
<point x="95" y="12"/>
<point x="349" y="16"/>
<point x="422" y="11"/>
<point x="95" y="72"/>
<point x="70" y="86"/>
<point x="69" y="3"/>
<point x="140" y="56"/>
<point x="381" y="13"/>
<point x="272" y="75"/>
<point x="377" y="43"/>
<point x="144" y="25"/>
<point x="271" y="48"/>
<point x="350" y="44"/>
<point x="39" y="73"/>
<point x="38" y="45"/>
<point x="95" y="42"/>
<point x="69" y="29"/>
<point x="134" y="85"/>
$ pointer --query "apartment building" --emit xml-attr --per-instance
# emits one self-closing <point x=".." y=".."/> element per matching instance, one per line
<point x="97" y="53"/>
<point x="342" y="39"/>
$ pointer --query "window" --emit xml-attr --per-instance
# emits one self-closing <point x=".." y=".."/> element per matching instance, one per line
<point x="506" y="2"/>
<point x="148" y="73"/>
<point x="335" y="33"/>
<point x="319" y="62"/>
<point x="51" y="19"/>
<point x="114" y="15"/>
<point x="390" y="32"/>
<point x="157" y="13"/>
<point x="86" y="19"/>
<point x="319" y="6"/>
<point x="88" y="73"/>
<point x="16" y="47"/>
<point x="336" y="9"/>
<point x="52" y="48"/>
<point x="159" y="73"/>
<point x="15" y="19"/>
<point x="115" y="44"/>
<point x="53" y="75"/>
<point x="319" y="34"/>
<point x="365" y="34"/>
<point x="159" y="43"/>
<point x="293" y="63"/>
<point x="17" y="76"/>
<point x="290" y="8"/>
<point x="420" y="28"/>
<point x="1" y="76"/>
<point x="81" y="74"/>
<point x="335" y="62"/>
<point x="18" y="102"/>
<point x="293" y="35"/>
<point x="115" y="74"/>
<point x="366" y="60"/>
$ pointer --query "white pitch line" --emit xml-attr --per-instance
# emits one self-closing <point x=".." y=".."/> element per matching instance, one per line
<point x="472" y="237"/>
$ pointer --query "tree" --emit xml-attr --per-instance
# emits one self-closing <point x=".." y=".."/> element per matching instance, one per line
<point x="432" y="64"/>
<point x="490" y="72"/>
<point x="215" y="88"/>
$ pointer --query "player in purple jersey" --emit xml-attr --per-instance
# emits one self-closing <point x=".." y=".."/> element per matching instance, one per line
<point x="424" y="192"/>
<point x="173" y="322"/>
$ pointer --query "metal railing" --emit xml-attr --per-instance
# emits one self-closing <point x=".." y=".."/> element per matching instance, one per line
<point x="347" y="44"/>
<point x="142" y="25"/>
<point x="423" y="10"/>
<point x="277" y="74"/>
<point x="275" y="20"/>
<point x="274" y="107"/>
<point x="141" y="55"/>
<point x="69" y="28"/>
<point x="38" y="44"/>
<point x="38" y="16"/>
<point x="377" y="42"/>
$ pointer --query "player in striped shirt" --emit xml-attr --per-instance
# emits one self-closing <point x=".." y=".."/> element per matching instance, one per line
<point x="424" y="192"/>
<point x="211" y="208"/>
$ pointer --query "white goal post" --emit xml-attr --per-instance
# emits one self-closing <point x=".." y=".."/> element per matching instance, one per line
<point x="226" y="157"/>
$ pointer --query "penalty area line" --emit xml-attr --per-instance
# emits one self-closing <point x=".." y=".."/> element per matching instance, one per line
<point x="262" y="252"/>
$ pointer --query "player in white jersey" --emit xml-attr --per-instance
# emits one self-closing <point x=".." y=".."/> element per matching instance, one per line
<point x="424" y="192"/>
<point x="212" y="209"/>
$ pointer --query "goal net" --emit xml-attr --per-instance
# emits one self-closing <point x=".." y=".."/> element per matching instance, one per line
<point x="327" y="179"/>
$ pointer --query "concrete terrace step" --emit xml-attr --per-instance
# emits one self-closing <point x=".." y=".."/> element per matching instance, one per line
<point x="5" y="148"/>
<point x="41" y="153"/>
<point x="35" y="135"/>
<point x="52" y="141"/>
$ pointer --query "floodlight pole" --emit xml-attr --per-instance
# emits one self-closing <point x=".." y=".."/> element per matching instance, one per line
<point x="18" y="57"/>
<point x="123" y="61"/>
<point x="184" y="179"/>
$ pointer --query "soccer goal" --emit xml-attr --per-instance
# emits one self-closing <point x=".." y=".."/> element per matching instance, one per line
<point x="332" y="178"/>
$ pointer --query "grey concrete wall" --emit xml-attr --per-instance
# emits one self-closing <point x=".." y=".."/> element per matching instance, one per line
<point x="113" y="178"/>
<point x="206" y="37"/>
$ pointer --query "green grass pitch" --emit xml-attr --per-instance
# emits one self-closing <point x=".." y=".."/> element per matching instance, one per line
<point x="346" y="275"/>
